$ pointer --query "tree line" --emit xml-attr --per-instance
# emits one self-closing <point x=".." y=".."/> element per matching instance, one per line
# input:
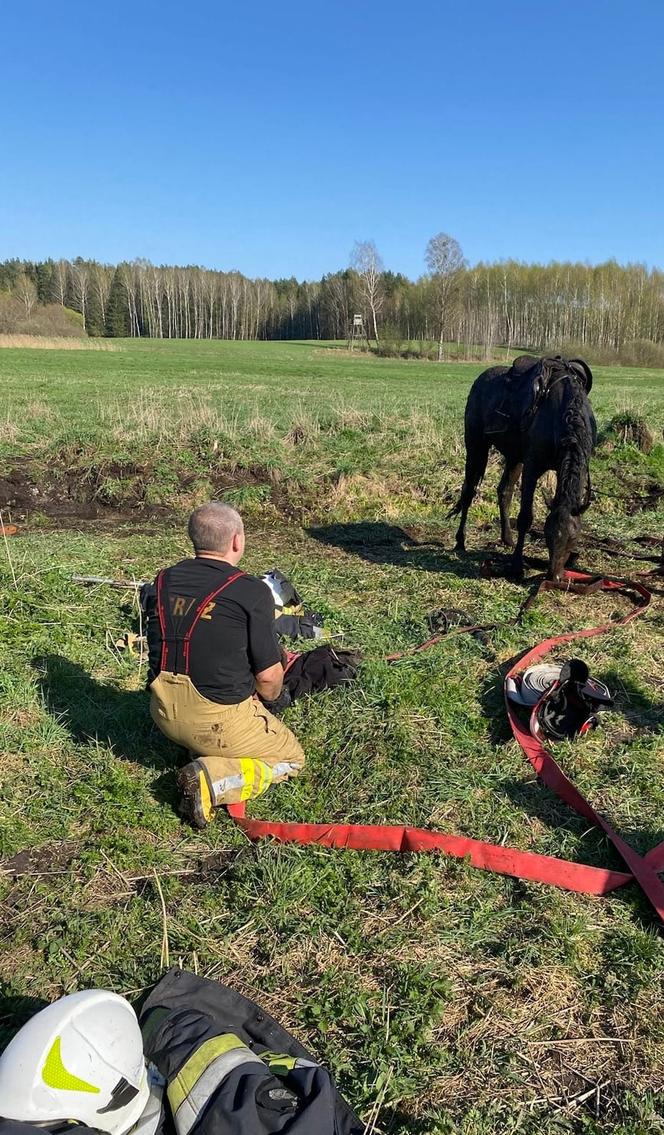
<point x="507" y="304"/>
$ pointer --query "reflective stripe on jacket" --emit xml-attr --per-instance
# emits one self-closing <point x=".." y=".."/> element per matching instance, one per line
<point x="230" y="1068"/>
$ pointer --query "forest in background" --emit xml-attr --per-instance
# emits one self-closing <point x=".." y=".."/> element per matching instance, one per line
<point x="614" y="312"/>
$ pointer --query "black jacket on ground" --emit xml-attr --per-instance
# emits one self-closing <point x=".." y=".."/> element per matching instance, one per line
<point x="315" y="670"/>
<point x="267" y="1082"/>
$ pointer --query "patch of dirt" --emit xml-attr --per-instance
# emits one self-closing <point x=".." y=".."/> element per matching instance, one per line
<point x="107" y="885"/>
<point x="27" y="490"/>
<point x="49" y="859"/>
<point x="205" y="870"/>
<point x="54" y="857"/>
<point x="70" y="496"/>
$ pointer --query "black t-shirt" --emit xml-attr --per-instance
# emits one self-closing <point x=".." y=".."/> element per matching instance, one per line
<point x="231" y="642"/>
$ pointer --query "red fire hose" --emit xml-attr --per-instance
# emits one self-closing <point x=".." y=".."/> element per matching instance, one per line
<point x="492" y="857"/>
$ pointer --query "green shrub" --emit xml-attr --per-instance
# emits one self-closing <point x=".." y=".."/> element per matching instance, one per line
<point x="629" y="429"/>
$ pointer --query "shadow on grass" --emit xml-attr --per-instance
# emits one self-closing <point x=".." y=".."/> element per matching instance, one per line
<point x="15" y="1011"/>
<point x="95" y="711"/>
<point x="634" y="704"/>
<point x="381" y="543"/>
<point x="401" y="1121"/>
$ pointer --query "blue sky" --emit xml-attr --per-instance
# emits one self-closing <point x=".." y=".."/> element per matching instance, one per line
<point x="268" y="137"/>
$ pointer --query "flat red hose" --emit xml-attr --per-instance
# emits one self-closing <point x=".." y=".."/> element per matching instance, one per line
<point x="493" y="857"/>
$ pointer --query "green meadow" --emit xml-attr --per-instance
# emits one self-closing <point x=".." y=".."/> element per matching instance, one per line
<point x="447" y="998"/>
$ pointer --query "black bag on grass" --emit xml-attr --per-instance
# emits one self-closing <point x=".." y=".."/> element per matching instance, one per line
<point x="316" y="670"/>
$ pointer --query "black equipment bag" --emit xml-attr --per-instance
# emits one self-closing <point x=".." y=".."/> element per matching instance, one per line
<point x="570" y="707"/>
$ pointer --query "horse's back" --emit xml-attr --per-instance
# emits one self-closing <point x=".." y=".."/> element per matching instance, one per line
<point x="485" y="382"/>
<point x="486" y="394"/>
<point x="491" y="381"/>
<point x="498" y="400"/>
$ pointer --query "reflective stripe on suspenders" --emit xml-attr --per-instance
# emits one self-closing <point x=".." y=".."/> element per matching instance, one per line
<point x="192" y="1088"/>
<point x="186" y="638"/>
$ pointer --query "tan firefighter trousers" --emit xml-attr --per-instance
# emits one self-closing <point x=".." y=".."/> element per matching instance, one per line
<point x="243" y="748"/>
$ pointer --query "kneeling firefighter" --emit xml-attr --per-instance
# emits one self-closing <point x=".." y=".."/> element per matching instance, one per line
<point x="203" y="1061"/>
<point x="214" y="660"/>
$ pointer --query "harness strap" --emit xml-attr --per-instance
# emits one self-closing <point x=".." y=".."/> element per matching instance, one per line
<point x="162" y="620"/>
<point x="184" y="639"/>
<point x="199" y="611"/>
<point x="566" y="874"/>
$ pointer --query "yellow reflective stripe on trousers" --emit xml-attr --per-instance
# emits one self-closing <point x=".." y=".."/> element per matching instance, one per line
<point x="202" y="1074"/>
<point x="248" y="767"/>
<point x="265" y="778"/>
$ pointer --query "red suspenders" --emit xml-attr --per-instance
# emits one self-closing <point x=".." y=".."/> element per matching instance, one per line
<point x="181" y="638"/>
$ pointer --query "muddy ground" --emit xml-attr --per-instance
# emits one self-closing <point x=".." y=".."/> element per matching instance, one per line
<point x="67" y="496"/>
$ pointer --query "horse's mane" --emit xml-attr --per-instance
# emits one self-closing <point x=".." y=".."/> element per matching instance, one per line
<point x="576" y="445"/>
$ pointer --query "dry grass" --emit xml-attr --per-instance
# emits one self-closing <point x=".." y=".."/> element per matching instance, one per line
<point x="55" y="343"/>
<point x="305" y="428"/>
<point x="10" y="431"/>
<point x="152" y="416"/>
<point x="629" y="428"/>
<point x="261" y="427"/>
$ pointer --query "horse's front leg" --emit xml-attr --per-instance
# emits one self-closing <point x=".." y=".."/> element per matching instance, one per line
<point x="529" y="481"/>
<point x="511" y="474"/>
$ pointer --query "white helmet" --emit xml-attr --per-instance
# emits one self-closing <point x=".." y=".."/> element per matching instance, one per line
<point x="80" y="1059"/>
<point x="282" y="589"/>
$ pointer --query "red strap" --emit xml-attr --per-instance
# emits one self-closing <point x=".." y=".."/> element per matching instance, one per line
<point x="493" y="857"/>
<point x="550" y="771"/>
<point x="199" y="611"/>
<point x="487" y="856"/>
<point x="161" y="612"/>
<point x="162" y="622"/>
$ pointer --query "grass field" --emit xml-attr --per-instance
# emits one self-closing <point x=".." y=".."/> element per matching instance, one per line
<point x="464" y="1001"/>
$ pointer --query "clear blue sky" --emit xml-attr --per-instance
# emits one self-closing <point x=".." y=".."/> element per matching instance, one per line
<point x="269" y="136"/>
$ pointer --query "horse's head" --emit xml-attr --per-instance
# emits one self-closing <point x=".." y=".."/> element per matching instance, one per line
<point x="573" y="491"/>
<point x="561" y="532"/>
<point x="563" y="524"/>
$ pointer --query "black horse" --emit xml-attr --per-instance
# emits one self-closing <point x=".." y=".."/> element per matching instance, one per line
<point x="537" y="414"/>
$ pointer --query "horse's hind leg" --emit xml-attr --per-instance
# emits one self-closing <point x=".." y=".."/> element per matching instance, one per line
<point x="511" y="474"/>
<point x="476" y="460"/>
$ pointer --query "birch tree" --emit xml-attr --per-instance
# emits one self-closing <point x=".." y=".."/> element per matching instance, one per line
<point x="445" y="262"/>
<point x="80" y="278"/>
<point x="366" y="261"/>
<point x="26" y="292"/>
<point x="60" y="279"/>
<point x="101" y="285"/>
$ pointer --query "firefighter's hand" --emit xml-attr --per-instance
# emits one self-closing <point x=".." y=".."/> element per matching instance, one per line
<point x="269" y="682"/>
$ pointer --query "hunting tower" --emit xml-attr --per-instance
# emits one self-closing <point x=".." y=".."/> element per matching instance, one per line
<point x="357" y="331"/>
